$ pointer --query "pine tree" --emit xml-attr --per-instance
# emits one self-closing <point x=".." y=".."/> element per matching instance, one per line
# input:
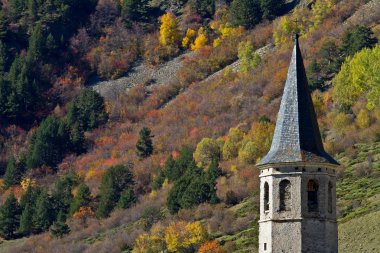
<point x="205" y="8"/>
<point x="134" y="10"/>
<point x="127" y="198"/>
<point x="144" y="144"/>
<point x="49" y="143"/>
<point x="26" y="224"/>
<point x="32" y="10"/>
<point x="43" y="215"/>
<point x="82" y="198"/>
<point x="61" y="193"/>
<point x="13" y="172"/>
<point x="3" y="25"/>
<point x="60" y="228"/>
<point x="36" y="45"/>
<point x="271" y="8"/>
<point x="245" y="12"/>
<point x="114" y="182"/>
<point x="9" y="217"/>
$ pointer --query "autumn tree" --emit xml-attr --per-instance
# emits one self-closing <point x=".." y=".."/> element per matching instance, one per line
<point x="144" y="145"/>
<point x="169" y="30"/>
<point x="357" y="77"/>
<point x="200" y="41"/>
<point x="362" y="119"/>
<point x="248" y="57"/>
<point x="206" y="151"/>
<point x="232" y="144"/>
<point x="210" y="247"/>
<point x="9" y="217"/>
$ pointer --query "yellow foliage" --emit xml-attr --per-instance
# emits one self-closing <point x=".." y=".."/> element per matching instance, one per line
<point x="1" y="183"/>
<point x="25" y="183"/>
<point x="232" y="144"/>
<point x="190" y="34"/>
<point x="207" y="150"/>
<point x="182" y="235"/>
<point x="320" y="9"/>
<point x="165" y="183"/>
<point x="225" y="31"/>
<point x="169" y="31"/>
<point x="153" y="194"/>
<point x="362" y="120"/>
<point x="200" y="41"/>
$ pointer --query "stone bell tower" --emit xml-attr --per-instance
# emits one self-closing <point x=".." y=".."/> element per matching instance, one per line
<point x="297" y="176"/>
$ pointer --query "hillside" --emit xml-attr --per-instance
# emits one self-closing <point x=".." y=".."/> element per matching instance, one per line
<point x="151" y="116"/>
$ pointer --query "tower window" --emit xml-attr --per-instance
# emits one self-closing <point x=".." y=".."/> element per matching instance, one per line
<point x="285" y="195"/>
<point x="266" y="196"/>
<point x="329" y="196"/>
<point x="265" y="246"/>
<point x="312" y="196"/>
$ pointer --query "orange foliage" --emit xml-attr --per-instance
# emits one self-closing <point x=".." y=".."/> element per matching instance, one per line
<point x="210" y="247"/>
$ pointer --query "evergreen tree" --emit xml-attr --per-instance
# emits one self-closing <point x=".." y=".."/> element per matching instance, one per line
<point x="77" y="140"/>
<point x="26" y="224"/>
<point x="49" y="143"/>
<point x="134" y="10"/>
<point x="205" y="8"/>
<point x="144" y="144"/>
<point x="82" y="198"/>
<point x="88" y="110"/>
<point x="36" y="45"/>
<point x="3" y="25"/>
<point x="60" y="228"/>
<point x="114" y="182"/>
<point x="127" y="198"/>
<point x="245" y="12"/>
<point x="9" y="217"/>
<point x="32" y="10"/>
<point x="43" y="215"/>
<point x="271" y="8"/>
<point x="357" y="38"/>
<point x="13" y="173"/>
<point x="61" y="193"/>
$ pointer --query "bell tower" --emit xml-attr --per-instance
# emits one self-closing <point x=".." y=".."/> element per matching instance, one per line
<point x="297" y="176"/>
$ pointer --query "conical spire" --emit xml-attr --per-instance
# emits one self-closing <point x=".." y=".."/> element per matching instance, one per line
<point x="296" y="137"/>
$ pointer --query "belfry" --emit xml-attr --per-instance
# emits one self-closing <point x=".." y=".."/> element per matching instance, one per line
<point x="297" y="176"/>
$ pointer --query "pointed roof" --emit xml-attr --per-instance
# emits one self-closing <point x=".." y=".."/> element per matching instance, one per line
<point x="296" y="137"/>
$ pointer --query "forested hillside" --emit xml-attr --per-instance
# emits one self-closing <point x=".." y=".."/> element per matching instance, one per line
<point x="114" y="137"/>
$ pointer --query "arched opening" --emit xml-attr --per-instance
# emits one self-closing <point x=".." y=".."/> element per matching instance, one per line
<point x="266" y="196"/>
<point x="285" y="195"/>
<point x="312" y="196"/>
<point x="329" y="198"/>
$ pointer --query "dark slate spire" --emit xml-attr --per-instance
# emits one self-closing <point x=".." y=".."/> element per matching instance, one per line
<point x="296" y="137"/>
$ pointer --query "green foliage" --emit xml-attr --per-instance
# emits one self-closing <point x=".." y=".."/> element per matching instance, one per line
<point x="249" y="59"/>
<point x="246" y="13"/>
<point x="61" y="193"/>
<point x="359" y="76"/>
<point x="13" y="172"/>
<point x="44" y="214"/>
<point x="26" y="224"/>
<point x="88" y="110"/>
<point x="271" y="8"/>
<point x="207" y="150"/>
<point x="116" y="180"/>
<point x="357" y="38"/>
<point x="134" y="10"/>
<point x="127" y="198"/>
<point x="144" y="145"/>
<point x="194" y="187"/>
<point x="49" y="143"/>
<point x="81" y="199"/>
<point x="232" y="144"/>
<point x="9" y="217"/>
<point x="205" y="8"/>
<point x="60" y="228"/>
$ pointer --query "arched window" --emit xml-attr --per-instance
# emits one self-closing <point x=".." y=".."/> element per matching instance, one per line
<point x="285" y="195"/>
<point x="266" y="196"/>
<point x="312" y="196"/>
<point x="329" y="196"/>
